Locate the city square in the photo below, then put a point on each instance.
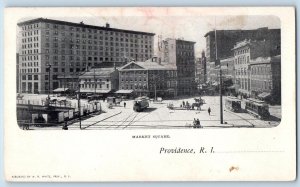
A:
(159, 116)
(79, 76)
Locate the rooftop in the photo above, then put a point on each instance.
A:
(149, 65)
(251, 43)
(265, 60)
(81, 24)
(102, 72)
(239, 30)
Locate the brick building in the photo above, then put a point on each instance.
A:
(72, 47)
(146, 78)
(265, 78)
(99, 80)
(226, 39)
(244, 52)
(181, 54)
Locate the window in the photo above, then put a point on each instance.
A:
(29, 77)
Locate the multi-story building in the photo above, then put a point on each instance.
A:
(181, 54)
(200, 69)
(212, 72)
(99, 80)
(244, 52)
(70, 48)
(226, 39)
(149, 78)
(227, 65)
(265, 78)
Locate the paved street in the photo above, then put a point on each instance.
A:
(158, 116)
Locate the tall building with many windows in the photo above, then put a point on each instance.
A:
(181, 54)
(244, 52)
(226, 39)
(56, 52)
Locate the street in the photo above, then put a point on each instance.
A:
(158, 116)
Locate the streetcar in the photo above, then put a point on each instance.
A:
(257, 108)
(233, 104)
(140, 104)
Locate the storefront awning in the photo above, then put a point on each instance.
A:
(61, 90)
(264, 95)
(124, 91)
(93, 91)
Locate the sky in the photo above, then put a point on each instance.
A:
(192, 28)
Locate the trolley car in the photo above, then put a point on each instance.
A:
(257, 108)
(233, 104)
(140, 104)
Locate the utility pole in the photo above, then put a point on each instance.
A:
(220, 85)
(64, 82)
(49, 68)
(95, 81)
(78, 100)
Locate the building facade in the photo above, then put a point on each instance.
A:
(72, 47)
(181, 54)
(227, 65)
(226, 39)
(150, 78)
(265, 78)
(212, 72)
(200, 69)
(244, 52)
(99, 81)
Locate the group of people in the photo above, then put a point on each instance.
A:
(185, 105)
(196, 123)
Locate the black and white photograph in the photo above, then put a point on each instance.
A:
(110, 94)
(119, 73)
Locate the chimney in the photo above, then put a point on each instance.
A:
(107, 25)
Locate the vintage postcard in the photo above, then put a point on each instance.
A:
(150, 94)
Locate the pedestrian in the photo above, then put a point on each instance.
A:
(209, 110)
(124, 104)
(195, 123)
(183, 104)
(65, 127)
(198, 123)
